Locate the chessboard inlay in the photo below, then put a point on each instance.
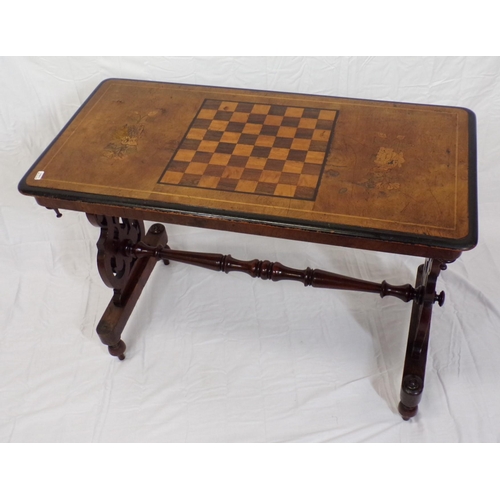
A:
(254, 148)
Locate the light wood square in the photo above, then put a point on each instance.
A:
(285, 190)
(246, 186)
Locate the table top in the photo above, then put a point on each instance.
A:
(337, 170)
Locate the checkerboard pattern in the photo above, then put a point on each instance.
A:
(253, 148)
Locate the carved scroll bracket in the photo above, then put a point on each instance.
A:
(113, 262)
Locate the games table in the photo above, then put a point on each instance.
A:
(381, 176)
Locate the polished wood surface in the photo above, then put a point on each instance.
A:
(338, 170)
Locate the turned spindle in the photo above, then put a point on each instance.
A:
(273, 271)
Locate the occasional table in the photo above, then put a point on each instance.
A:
(382, 176)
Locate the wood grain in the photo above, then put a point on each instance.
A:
(386, 171)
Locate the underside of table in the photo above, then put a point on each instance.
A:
(127, 255)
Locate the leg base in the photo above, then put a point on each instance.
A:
(118, 350)
(407, 412)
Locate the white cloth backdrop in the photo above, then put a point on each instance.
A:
(216, 358)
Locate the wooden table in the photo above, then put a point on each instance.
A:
(382, 176)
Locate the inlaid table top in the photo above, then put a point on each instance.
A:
(337, 170)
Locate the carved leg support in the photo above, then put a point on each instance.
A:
(126, 275)
(126, 258)
(412, 383)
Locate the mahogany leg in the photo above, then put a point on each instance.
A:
(412, 384)
(127, 276)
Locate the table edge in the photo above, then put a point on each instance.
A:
(462, 244)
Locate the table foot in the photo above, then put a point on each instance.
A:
(126, 275)
(406, 412)
(118, 350)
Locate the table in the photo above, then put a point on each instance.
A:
(382, 176)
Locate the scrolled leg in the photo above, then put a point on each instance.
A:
(125, 274)
(412, 384)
